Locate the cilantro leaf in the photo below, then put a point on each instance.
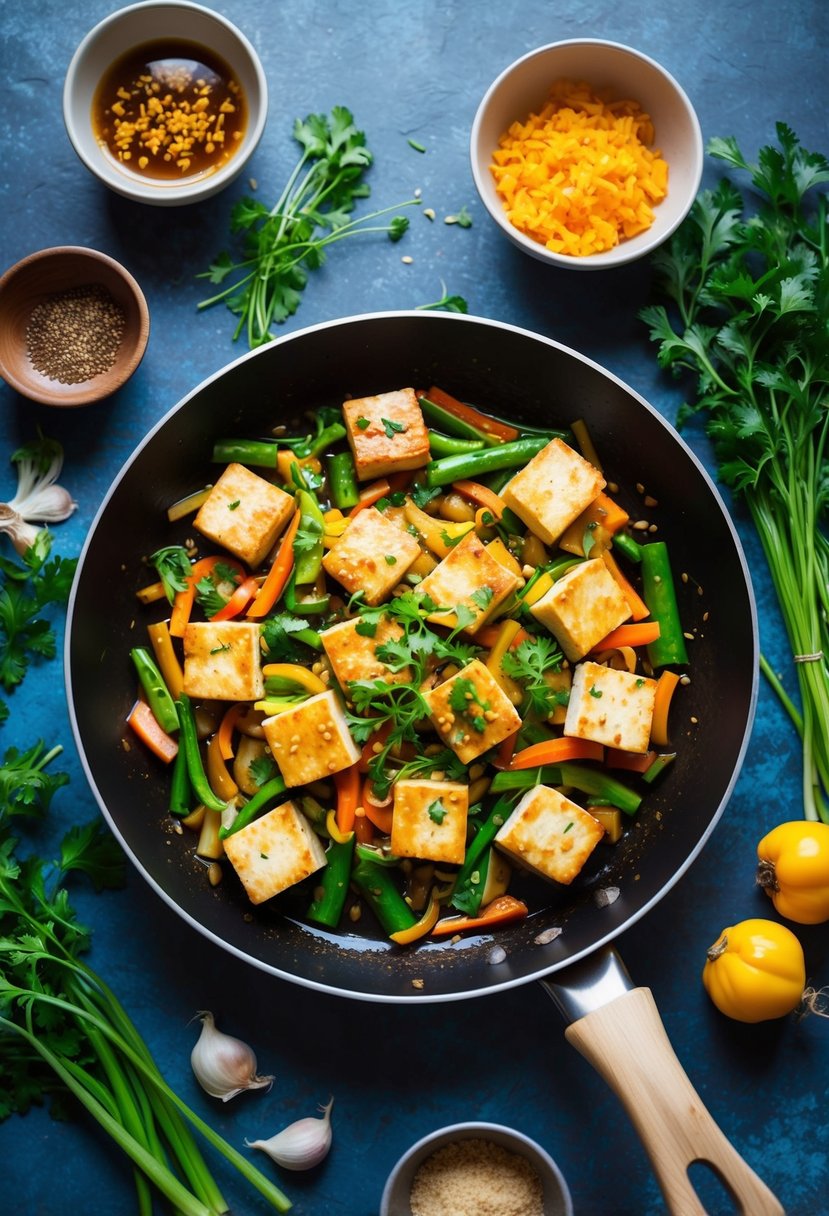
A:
(392, 428)
(174, 569)
(528, 664)
(95, 851)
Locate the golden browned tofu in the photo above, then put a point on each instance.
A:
(244, 514)
(553, 489)
(312, 740)
(274, 852)
(471, 712)
(471, 576)
(549, 834)
(582, 607)
(386, 433)
(371, 556)
(611, 707)
(429, 820)
(353, 655)
(222, 661)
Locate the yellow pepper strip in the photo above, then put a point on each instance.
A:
(210, 842)
(151, 594)
(285, 460)
(484, 524)
(332, 514)
(423, 564)
(622, 658)
(333, 531)
(221, 782)
(166, 657)
(186, 506)
(499, 551)
(507, 632)
(439, 535)
(540, 587)
(583, 439)
(420, 928)
(333, 831)
(296, 674)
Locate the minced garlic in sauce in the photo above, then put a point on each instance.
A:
(169, 110)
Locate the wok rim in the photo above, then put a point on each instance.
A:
(422, 996)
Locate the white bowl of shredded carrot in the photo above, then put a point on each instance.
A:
(587, 154)
(165, 101)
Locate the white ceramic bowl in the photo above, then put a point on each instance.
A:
(523, 87)
(555, 1194)
(149, 22)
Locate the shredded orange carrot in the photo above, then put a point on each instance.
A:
(640, 634)
(226, 728)
(504, 908)
(370, 495)
(143, 721)
(279, 573)
(348, 792)
(183, 602)
(556, 751)
(580, 176)
(665, 686)
(634, 762)
(482, 495)
(638, 608)
(492, 426)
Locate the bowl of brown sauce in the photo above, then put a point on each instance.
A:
(165, 102)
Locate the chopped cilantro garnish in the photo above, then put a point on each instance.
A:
(363, 423)
(231, 506)
(390, 559)
(436, 811)
(392, 428)
(595, 692)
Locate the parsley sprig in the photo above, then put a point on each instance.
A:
(420, 650)
(282, 243)
(747, 283)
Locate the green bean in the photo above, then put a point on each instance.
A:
(250, 811)
(342, 480)
(505, 456)
(454, 425)
(259, 452)
(449, 445)
(663, 761)
(467, 893)
(311, 527)
(327, 438)
(379, 890)
(631, 548)
(659, 593)
(158, 695)
(326, 907)
(590, 781)
(180, 801)
(195, 769)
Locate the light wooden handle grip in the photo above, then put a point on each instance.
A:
(626, 1043)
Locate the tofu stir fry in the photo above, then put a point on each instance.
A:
(405, 659)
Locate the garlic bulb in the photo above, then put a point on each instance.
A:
(222, 1065)
(38, 499)
(301, 1145)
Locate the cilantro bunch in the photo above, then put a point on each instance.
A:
(282, 243)
(746, 278)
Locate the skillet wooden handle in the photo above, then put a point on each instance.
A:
(626, 1043)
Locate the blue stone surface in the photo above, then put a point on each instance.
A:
(413, 70)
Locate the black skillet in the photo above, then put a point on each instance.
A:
(521, 376)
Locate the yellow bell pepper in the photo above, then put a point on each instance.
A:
(297, 675)
(439, 535)
(755, 971)
(793, 870)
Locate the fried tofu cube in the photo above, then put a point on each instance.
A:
(311, 741)
(582, 607)
(553, 489)
(244, 514)
(274, 852)
(371, 556)
(471, 712)
(222, 661)
(429, 820)
(468, 576)
(353, 655)
(549, 834)
(386, 433)
(610, 707)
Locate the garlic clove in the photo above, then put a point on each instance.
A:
(223, 1065)
(301, 1145)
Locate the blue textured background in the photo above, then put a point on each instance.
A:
(412, 70)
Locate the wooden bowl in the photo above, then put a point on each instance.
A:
(49, 273)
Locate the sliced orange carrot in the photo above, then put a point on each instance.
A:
(143, 722)
(347, 783)
(503, 757)
(556, 751)
(638, 608)
(502, 909)
(368, 753)
(665, 688)
(370, 495)
(363, 829)
(183, 603)
(279, 573)
(641, 634)
(239, 601)
(501, 430)
(603, 517)
(380, 814)
(226, 727)
(482, 495)
(633, 762)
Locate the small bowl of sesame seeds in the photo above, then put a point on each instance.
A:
(73, 326)
(165, 102)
